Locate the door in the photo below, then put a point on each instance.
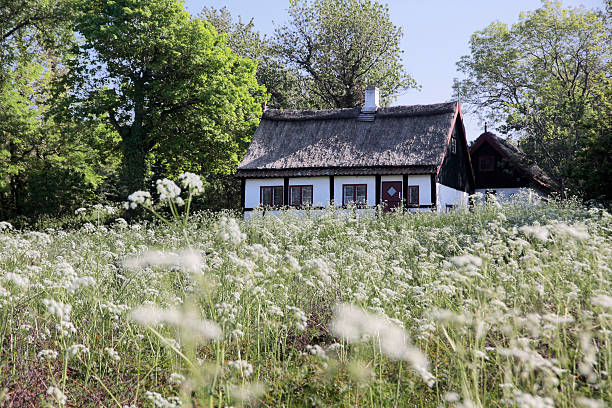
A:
(391, 194)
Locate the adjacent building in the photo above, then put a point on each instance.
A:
(502, 169)
(414, 157)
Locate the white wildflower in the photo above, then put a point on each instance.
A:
(138, 197)
(245, 368)
(112, 353)
(161, 402)
(467, 259)
(192, 182)
(57, 395)
(17, 279)
(536, 231)
(188, 320)
(189, 260)
(248, 393)
(59, 309)
(351, 323)
(604, 301)
(590, 403)
(176, 379)
(79, 210)
(76, 350)
(167, 189)
(47, 355)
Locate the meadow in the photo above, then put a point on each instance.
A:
(503, 306)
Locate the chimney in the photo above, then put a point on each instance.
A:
(372, 98)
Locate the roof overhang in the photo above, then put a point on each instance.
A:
(336, 171)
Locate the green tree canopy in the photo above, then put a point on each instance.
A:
(171, 88)
(281, 81)
(340, 47)
(548, 78)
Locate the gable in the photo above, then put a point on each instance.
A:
(455, 170)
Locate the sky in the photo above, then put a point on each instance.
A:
(436, 35)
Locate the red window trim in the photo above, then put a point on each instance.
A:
(301, 186)
(261, 195)
(407, 194)
(481, 167)
(354, 192)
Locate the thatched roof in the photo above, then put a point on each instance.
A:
(517, 158)
(410, 139)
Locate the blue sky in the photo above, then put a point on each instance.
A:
(436, 34)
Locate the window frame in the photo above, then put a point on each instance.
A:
(491, 167)
(407, 196)
(354, 201)
(301, 187)
(282, 195)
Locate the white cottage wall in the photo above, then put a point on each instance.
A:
(450, 196)
(251, 189)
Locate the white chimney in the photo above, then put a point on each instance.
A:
(372, 99)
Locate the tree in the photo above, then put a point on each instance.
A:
(169, 86)
(46, 166)
(547, 78)
(340, 47)
(282, 82)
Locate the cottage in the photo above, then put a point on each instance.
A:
(502, 169)
(415, 157)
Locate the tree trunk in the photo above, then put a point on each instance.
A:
(133, 146)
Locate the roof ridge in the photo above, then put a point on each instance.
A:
(353, 113)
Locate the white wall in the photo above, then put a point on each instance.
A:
(505, 194)
(251, 189)
(370, 181)
(449, 196)
(320, 188)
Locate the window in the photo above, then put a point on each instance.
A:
(271, 196)
(453, 145)
(300, 195)
(412, 195)
(354, 193)
(486, 163)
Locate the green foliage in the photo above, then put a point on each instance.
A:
(170, 87)
(547, 77)
(339, 47)
(282, 83)
(46, 165)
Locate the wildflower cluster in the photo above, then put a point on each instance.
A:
(508, 305)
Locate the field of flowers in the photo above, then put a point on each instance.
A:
(502, 306)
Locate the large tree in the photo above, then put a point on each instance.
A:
(548, 79)
(282, 82)
(340, 47)
(171, 88)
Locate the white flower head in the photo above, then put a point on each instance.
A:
(187, 320)
(192, 182)
(167, 189)
(352, 323)
(57, 395)
(138, 197)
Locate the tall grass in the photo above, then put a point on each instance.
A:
(502, 306)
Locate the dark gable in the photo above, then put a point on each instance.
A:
(410, 139)
(490, 145)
